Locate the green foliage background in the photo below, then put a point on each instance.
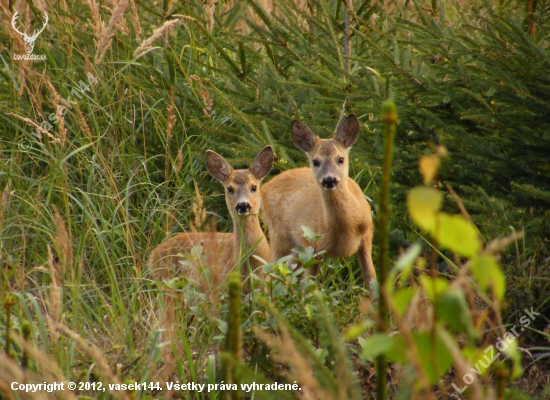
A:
(122, 166)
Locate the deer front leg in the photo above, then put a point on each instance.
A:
(365, 258)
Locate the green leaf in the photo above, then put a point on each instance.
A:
(488, 273)
(406, 260)
(453, 232)
(513, 352)
(310, 234)
(431, 353)
(403, 266)
(433, 287)
(375, 345)
(402, 298)
(356, 330)
(309, 310)
(423, 204)
(452, 308)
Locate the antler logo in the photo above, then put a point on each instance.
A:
(29, 40)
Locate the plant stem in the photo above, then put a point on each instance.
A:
(233, 338)
(389, 116)
(435, 8)
(347, 33)
(531, 13)
(8, 304)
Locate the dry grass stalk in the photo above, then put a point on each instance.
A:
(54, 303)
(170, 114)
(7, 16)
(301, 371)
(32, 82)
(62, 242)
(209, 9)
(84, 123)
(179, 161)
(169, 338)
(36, 126)
(105, 38)
(57, 99)
(463, 367)
(43, 6)
(24, 65)
(95, 354)
(199, 212)
(135, 21)
(146, 45)
(50, 371)
(96, 22)
(206, 98)
(411, 352)
(211, 285)
(6, 194)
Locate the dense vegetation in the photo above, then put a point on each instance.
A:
(102, 157)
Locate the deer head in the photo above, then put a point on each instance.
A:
(29, 40)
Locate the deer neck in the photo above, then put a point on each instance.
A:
(336, 202)
(340, 212)
(248, 234)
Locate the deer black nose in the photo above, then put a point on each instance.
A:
(243, 208)
(329, 182)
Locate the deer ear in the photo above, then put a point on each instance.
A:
(217, 166)
(262, 163)
(348, 131)
(302, 136)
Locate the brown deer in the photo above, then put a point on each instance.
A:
(322, 197)
(223, 251)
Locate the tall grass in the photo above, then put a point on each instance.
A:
(84, 200)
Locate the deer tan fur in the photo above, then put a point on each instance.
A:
(322, 197)
(223, 250)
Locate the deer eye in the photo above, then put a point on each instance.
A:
(341, 160)
(253, 188)
(316, 163)
(230, 190)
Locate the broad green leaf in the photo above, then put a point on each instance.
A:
(453, 232)
(423, 204)
(402, 298)
(310, 234)
(452, 308)
(431, 352)
(404, 263)
(481, 359)
(398, 351)
(355, 330)
(408, 257)
(283, 269)
(434, 356)
(309, 310)
(513, 352)
(487, 272)
(433, 287)
(375, 345)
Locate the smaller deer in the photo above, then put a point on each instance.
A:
(223, 250)
(323, 198)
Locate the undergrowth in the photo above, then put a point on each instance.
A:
(102, 158)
